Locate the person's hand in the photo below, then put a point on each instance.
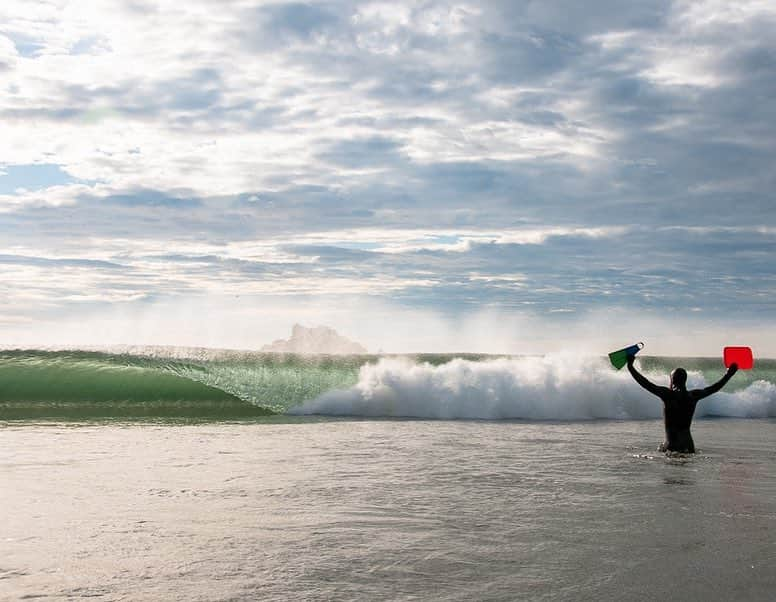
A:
(733, 369)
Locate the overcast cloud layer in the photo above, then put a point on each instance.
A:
(502, 175)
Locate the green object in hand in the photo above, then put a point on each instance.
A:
(620, 357)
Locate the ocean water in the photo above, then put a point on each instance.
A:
(423, 478)
(386, 510)
(223, 385)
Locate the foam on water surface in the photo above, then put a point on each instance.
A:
(555, 387)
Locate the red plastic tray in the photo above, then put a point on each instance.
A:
(738, 355)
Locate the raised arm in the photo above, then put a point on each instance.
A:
(642, 380)
(711, 389)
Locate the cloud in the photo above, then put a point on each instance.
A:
(544, 159)
(57, 262)
(363, 153)
(294, 20)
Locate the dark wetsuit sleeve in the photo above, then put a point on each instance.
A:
(701, 393)
(649, 386)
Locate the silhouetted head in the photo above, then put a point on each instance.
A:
(679, 379)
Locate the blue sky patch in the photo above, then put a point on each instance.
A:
(33, 177)
(26, 46)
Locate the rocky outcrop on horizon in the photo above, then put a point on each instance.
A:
(320, 339)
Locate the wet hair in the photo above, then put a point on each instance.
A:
(679, 378)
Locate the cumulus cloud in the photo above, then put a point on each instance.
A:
(548, 158)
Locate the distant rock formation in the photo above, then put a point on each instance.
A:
(320, 339)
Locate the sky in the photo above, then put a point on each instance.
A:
(499, 176)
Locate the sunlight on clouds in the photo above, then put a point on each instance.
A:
(123, 125)
(689, 65)
(59, 283)
(540, 236)
(56, 196)
(127, 270)
(443, 154)
(690, 53)
(413, 240)
(721, 13)
(383, 27)
(498, 141)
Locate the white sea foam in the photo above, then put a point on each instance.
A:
(758, 400)
(554, 387)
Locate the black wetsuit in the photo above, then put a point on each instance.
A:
(678, 409)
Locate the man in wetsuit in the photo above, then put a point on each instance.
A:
(679, 404)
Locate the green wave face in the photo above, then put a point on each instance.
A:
(82, 385)
(276, 382)
(77, 378)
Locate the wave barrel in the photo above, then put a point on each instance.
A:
(620, 357)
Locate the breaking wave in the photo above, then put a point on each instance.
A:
(224, 385)
(555, 387)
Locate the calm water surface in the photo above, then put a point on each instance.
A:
(386, 510)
